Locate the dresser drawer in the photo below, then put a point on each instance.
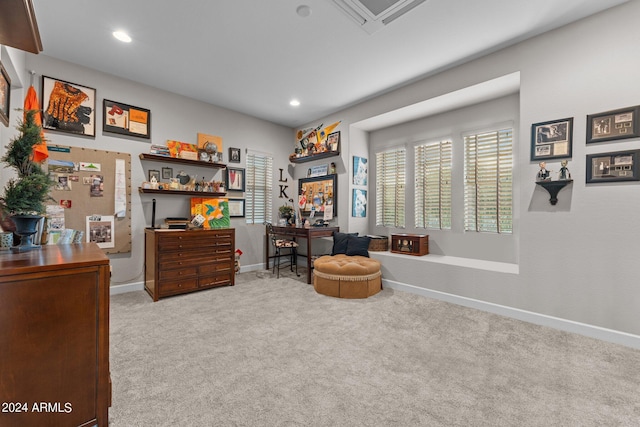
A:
(180, 263)
(214, 280)
(174, 243)
(215, 267)
(165, 274)
(176, 286)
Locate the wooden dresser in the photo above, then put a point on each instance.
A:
(180, 261)
(54, 337)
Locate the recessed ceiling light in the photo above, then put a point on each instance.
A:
(122, 36)
(294, 102)
(303, 11)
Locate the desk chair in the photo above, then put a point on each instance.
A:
(283, 247)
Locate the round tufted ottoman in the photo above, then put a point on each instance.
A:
(345, 276)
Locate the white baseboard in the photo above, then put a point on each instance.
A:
(129, 287)
(604, 334)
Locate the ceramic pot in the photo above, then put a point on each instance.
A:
(26, 227)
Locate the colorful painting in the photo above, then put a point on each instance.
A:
(214, 210)
(359, 203)
(359, 170)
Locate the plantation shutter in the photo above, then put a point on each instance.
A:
(433, 185)
(488, 182)
(390, 188)
(258, 189)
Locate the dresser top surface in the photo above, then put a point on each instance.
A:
(52, 257)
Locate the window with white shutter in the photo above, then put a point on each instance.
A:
(258, 188)
(390, 188)
(488, 192)
(433, 185)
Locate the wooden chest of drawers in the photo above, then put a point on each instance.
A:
(180, 261)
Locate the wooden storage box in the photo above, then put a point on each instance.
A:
(410, 244)
(378, 243)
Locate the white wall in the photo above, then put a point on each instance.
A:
(576, 260)
(172, 117)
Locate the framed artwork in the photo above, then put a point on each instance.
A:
(234, 155)
(236, 208)
(613, 167)
(235, 179)
(126, 120)
(154, 174)
(5, 95)
(68, 107)
(552, 139)
(359, 203)
(359, 170)
(318, 194)
(611, 125)
(333, 142)
(167, 173)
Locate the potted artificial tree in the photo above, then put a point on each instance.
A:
(25, 195)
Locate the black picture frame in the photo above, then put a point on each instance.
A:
(152, 173)
(125, 119)
(316, 192)
(5, 96)
(613, 167)
(167, 173)
(234, 155)
(78, 120)
(552, 139)
(235, 179)
(613, 125)
(236, 208)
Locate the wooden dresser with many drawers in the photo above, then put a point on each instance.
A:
(180, 261)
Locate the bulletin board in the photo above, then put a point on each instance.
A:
(76, 191)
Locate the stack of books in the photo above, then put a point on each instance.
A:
(177, 223)
(160, 150)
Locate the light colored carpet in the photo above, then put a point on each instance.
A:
(272, 352)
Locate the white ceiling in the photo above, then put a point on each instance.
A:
(254, 56)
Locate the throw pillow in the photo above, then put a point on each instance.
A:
(358, 245)
(340, 242)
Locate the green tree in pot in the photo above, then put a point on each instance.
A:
(25, 196)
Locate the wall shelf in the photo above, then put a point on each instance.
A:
(159, 158)
(553, 187)
(181, 192)
(318, 156)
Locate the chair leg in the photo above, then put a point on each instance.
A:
(295, 259)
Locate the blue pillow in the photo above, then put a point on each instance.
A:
(340, 242)
(358, 245)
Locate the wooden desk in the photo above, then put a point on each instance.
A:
(299, 232)
(54, 337)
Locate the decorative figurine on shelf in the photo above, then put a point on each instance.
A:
(564, 171)
(543, 173)
(154, 183)
(332, 168)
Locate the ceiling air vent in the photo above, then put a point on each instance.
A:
(372, 15)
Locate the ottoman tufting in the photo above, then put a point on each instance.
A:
(345, 276)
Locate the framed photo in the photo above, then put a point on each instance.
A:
(234, 155)
(611, 125)
(552, 139)
(5, 96)
(235, 179)
(126, 120)
(613, 167)
(359, 170)
(333, 142)
(154, 173)
(236, 208)
(100, 229)
(68, 107)
(167, 173)
(318, 194)
(359, 203)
